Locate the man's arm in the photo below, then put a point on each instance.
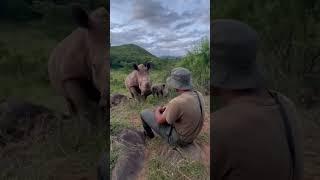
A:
(159, 115)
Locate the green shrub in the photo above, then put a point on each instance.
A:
(197, 61)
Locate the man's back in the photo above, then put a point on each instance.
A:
(249, 140)
(184, 113)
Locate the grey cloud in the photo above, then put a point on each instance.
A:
(115, 25)
(137, 35)
(183, 24)
(163, 31)
(153, 13)
(125, 37)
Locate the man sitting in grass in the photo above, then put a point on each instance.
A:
(181, 120)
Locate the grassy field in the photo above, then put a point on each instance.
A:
(126, 115)
(25, 49)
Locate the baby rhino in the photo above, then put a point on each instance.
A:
(159, 89)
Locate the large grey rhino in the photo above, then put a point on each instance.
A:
(138, 81)
(78, 67)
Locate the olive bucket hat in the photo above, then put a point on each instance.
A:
(180, 78)
(234, 56)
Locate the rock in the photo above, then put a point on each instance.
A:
(131, 160)
(18, 118)
(116, 99)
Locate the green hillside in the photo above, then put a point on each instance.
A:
(126, 55)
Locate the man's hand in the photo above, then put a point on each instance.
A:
(159, 116)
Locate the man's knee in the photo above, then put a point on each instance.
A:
(144, 114)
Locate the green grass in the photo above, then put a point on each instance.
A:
(160, 169)
(53, 156)
(114, 154)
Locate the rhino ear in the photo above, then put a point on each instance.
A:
(80, 16)
(135, 66)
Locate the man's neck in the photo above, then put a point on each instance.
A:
(228, 96)
(183, 91)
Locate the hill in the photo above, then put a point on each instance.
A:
(126, 55)
(170, 57)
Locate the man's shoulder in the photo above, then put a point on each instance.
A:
(237, 112)
(175, 100)
(227, 116)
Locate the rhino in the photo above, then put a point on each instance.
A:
(117, 98)
(138, 81)
(19, 118)
(78, 66)
(159, 89)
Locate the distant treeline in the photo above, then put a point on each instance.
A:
(23, 10)
(289, 37)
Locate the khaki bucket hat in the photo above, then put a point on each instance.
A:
(234, 56)
(180, 78)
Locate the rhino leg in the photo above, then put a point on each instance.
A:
(80, 102)
(131, 90)
(135, 92)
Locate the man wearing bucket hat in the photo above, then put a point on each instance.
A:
(255, 134)
(181, 120)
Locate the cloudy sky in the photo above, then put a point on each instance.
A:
(163, 27)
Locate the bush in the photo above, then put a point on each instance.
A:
(197, 61)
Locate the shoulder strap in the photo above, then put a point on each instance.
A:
(201, 117)
(288, 131)
(199, 103)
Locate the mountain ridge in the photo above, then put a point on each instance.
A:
(127, 54)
